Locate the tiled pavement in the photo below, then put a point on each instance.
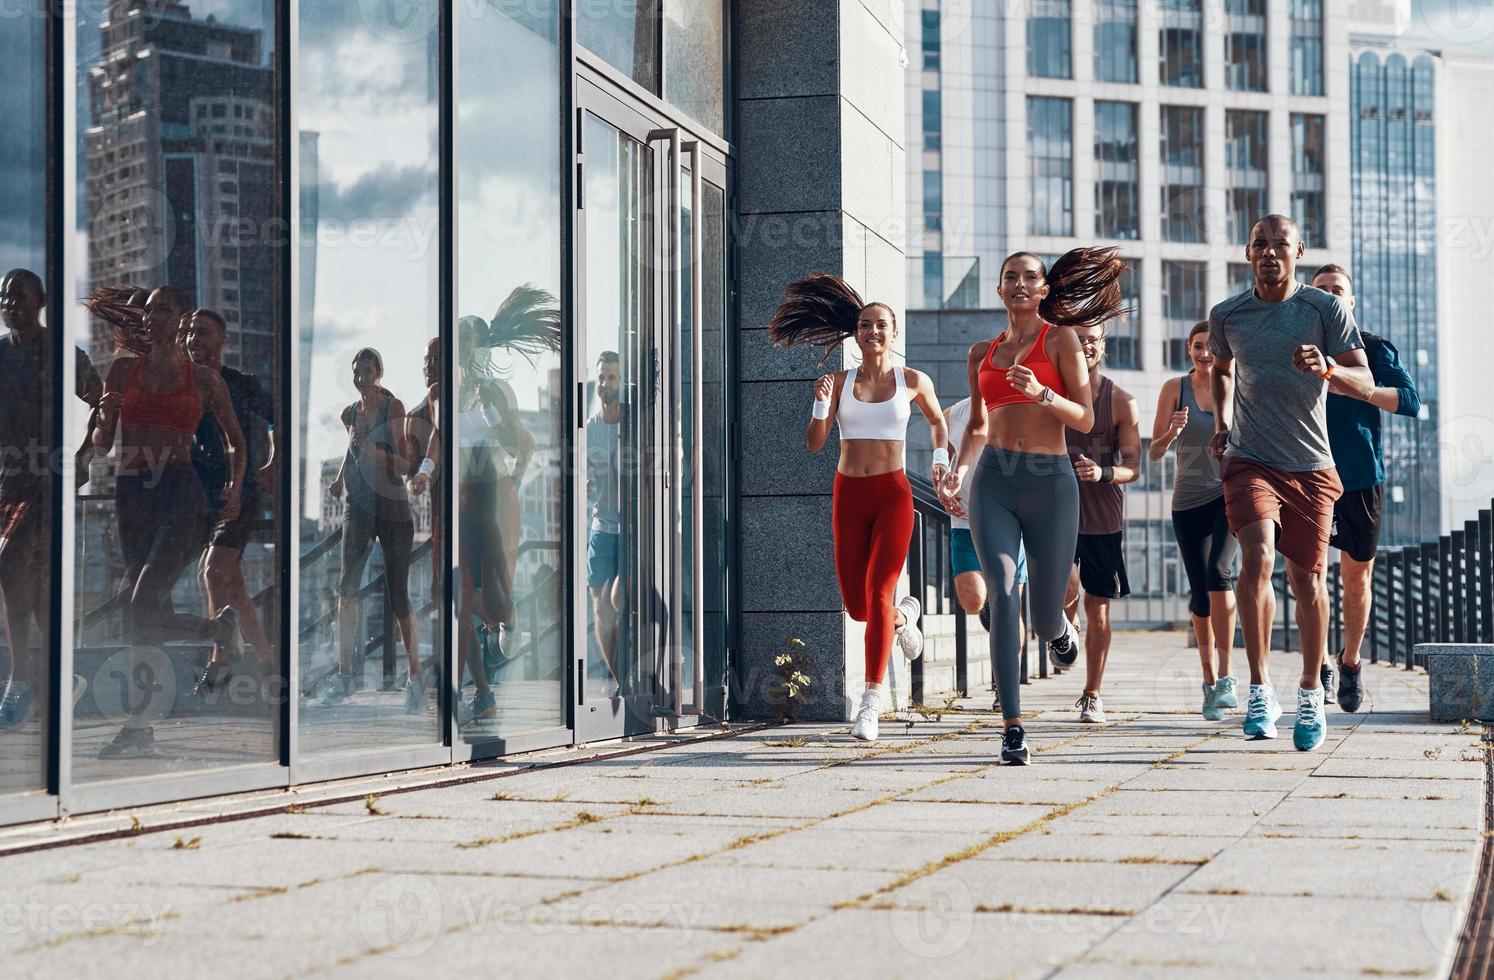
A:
(1159, 845)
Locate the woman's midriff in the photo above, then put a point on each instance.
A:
(870, 457)
(145, 449)
(1026, 429)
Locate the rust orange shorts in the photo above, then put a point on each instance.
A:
(1299, 504)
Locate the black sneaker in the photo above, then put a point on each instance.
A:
(1014, 747)
(996, 702)
(1350, 690)
(985, 616)
(1065, 649)
(1325, 674)
(130, 743)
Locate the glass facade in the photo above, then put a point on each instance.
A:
(1308, 178)
(1180, 43)
(324, 521)
(932, 128)
(929, 39)
(1245, 58)
(1393, 142)
(1307, 46)
(1049, 39)
(1123, 334)
(1115, 41)
(1183, 174)
(1117, 194)
(1246, 135)
(1185, 301)
(1050, 162)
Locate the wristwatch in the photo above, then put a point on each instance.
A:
(1046, 397)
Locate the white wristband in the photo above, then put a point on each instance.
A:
(941, 458)
(821, 409)
(427, 466)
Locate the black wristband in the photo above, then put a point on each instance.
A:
(1107, 474)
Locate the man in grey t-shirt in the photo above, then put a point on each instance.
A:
(603, 494)
(1275, 347)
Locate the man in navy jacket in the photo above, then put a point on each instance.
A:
(1354, 436)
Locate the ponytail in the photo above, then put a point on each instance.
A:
(1083, 287)
(820, 310)
(123, 309)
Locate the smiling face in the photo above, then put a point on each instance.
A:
(1275, 246)
(366, 372)
(876, 328)
(205, 338)
(609, 381)
(1198, 351)
(1092, 343)
(1022, 285)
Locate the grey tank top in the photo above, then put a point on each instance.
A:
(1198, 481)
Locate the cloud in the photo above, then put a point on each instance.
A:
(390, 192)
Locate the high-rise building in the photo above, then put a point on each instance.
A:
(1165, 132)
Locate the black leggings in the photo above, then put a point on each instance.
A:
(396, 535)
(161, 520)
(1208, 551)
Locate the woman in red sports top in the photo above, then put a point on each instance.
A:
(154, 399)
(1026, 387)
(873, 503)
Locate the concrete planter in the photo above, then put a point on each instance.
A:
(1461, 680)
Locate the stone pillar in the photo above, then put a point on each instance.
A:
(820, 189)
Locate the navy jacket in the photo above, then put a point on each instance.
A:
(1354, 426)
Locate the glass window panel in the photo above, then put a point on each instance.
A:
(1245, 45)
(626, 35)
(1183, 174)
(929, 22)
(1308, 178)
(1245, 161)
(1115, 40)
(694, 59)
(1121, 346)
(1048, 41)
(1181, 43)
(510, 398)
(1307, 47)
(179, 150)
(715, 458)
(1183, 305)
(370, 595)
(933, 123)
(1117, 206)
(1050, 166)
(26, 378)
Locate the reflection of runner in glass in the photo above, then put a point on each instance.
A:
(1026, 387)
(25, 481)
(1105, 458)
(1185, 417)
(872, 508)
(378, 509)
(223, 565)
(1274, 348)
(969, 580)
(156, 399)
(1354, 434)
(604, 494)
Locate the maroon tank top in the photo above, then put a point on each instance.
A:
(1101, 505)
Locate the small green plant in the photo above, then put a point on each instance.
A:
(793, 680)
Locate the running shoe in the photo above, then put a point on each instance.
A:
(230, 637)
(1224, 693)
(1014, 747)
(336, 689)
(130, 743)
(212, 679)
(1261, 712)
(484, 707)
(1350, 685)
(1325, 676)
(865, 728)
(1211, 709)
(1312, 720)
(1091, 711)
(80, 688)
(15, 705)
(996, 701)
(985, 616)
(909, 636)
(1065, 649)
(414, 696)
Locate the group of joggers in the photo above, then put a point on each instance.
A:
(1277, 433)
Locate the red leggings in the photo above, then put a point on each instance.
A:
(873, 520)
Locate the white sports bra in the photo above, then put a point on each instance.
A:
(874, 420)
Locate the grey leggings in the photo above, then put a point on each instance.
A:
(1032, 500)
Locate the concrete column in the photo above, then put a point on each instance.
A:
(821, 178)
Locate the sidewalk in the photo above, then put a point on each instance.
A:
(1159, 845)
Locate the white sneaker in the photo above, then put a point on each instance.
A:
(1091, 711)
(909, 636)
(865, 728)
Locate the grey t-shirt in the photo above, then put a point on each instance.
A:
(1280, 412)
(602, 473)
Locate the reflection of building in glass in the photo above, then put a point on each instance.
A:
(310, 195)
(181, 181)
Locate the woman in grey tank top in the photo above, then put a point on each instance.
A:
(1185, 416)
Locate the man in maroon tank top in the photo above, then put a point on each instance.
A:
(1105, 459)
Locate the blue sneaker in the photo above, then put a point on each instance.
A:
(1312, 720)
(15, 706)
(1261, 713)
(1211, 709)
(1224, 693)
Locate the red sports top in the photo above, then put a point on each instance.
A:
(175, 411)
(997, 391)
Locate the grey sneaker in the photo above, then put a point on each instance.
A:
(1224, 693)
(335, 689)
(1325, 676)
(415, 696)
(1091, 711)
(909, 636)
(1211, 708)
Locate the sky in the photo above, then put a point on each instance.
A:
(1456, 26)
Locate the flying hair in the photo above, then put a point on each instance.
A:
(820, 310)
(1083, 287)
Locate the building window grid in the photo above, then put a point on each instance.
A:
(1184, 303)
(1122, 335)
(1246, 159)
(1307, 47)
(1050, 165)
(1183, 174)
(1180, 44)
(1308, 177)
(929, 20)
(1245, 45)
(1115, 41)
(1117, 211)
(1049, 39)
(933, 119)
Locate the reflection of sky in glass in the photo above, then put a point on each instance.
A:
(22, 151)
(371, 102)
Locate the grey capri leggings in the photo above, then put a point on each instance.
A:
(1032, 500)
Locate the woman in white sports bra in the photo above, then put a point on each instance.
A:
(873, 503)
